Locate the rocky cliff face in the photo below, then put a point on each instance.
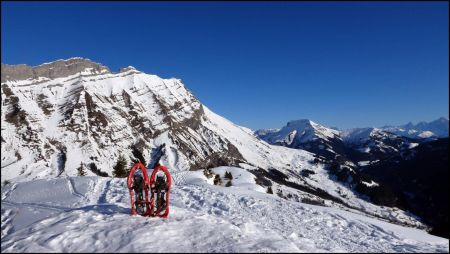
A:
(57, 69)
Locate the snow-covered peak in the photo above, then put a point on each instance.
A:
(306, 125)
(297, 132)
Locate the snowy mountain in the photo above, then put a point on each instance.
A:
(60, 115)
(79, 112)
(423, 130)
(387, 167)
(373, 144)
(92, 214)
(305, 134)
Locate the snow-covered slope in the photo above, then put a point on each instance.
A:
(91, 214)
(349, 152)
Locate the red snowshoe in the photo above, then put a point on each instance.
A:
(138, 187)
(139, 184)
(160, 192)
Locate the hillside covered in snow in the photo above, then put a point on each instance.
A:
(92, 214)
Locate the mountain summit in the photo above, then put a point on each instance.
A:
(52, 70)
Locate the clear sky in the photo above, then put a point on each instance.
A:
(259, 64)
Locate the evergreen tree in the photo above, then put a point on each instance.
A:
(80, 169)
(228, 175)
(120, 169)
(228, 184)
(269, 190)
(217, 180)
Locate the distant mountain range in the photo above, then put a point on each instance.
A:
(408, 163)
(433, 129)
(436, 128)
(357, 144)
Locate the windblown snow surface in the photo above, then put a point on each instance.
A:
(92, 214)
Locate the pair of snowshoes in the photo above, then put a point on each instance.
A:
(139, 185)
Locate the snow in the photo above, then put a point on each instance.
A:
(91, 214)
(412, 145)
(426, 134)
(358, 135)
(363, 149)
(363, 163)
(371, 184)
(241, 178)
(60, 60)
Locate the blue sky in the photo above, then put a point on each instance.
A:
(259, 64)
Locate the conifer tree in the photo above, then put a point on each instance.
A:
(120, 169)
(228, 175)
(81, 170)
(217, 180)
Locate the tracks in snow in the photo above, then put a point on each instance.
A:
(203, 218)
(72, 189)
(179, 178)
(8, 192)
